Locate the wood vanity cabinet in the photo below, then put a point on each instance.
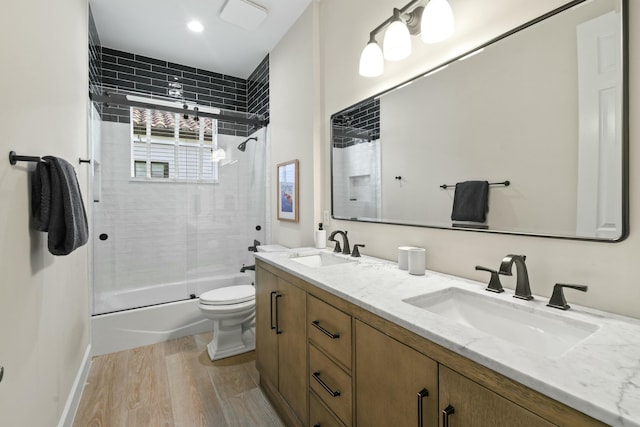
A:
(395, 385)
(465, 403)
(385, 374)
(281, 350)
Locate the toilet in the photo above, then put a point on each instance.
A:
(233, 311)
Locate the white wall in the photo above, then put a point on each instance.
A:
(608, 268)
(295, 105)
(44, 312)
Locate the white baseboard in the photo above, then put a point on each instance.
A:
(70, 408)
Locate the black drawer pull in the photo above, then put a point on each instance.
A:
(316, 376)
(278, 331)
(271, 310)
(316, 324)
(449, 410)
(421, 395)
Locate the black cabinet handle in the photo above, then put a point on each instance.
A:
(449, 410)
(271, 310)
(278, 331)
(421, 395)
(316, 376)
(316, 324)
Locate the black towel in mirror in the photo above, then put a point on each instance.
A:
(471, 201)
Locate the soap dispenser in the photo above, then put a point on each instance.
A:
(321, 237)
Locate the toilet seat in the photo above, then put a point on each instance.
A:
(229, 295)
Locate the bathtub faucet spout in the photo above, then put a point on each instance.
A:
(248, 267)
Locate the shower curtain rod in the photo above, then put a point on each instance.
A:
(117, 99)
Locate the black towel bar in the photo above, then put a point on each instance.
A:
(505, 183)
(14, 158)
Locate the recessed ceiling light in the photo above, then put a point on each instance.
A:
(195, 26)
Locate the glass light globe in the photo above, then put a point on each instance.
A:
(397, 40)
(437, 21)
(371, 60)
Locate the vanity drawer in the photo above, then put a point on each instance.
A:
(329, 329)
(319, 415)
(331, 384)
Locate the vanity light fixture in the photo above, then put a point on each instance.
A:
(396, 44)
(371, 59)
(437, 21)
(434, 21)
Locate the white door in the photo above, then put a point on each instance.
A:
(599, 210)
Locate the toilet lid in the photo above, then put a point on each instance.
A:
(229, 295)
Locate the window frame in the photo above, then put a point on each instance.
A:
(178, 142)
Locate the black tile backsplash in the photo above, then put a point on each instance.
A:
(258, 89)
(143, 74)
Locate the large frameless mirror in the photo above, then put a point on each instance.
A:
(540, 113)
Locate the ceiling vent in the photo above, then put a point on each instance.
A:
(243, 13)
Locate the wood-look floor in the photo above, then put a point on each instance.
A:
(174, 384)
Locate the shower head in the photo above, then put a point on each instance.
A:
(243, 144)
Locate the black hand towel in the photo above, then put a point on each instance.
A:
(41, 197)
(470, 201)
(67, 219)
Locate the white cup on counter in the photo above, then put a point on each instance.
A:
(417, 260)
(403, 257)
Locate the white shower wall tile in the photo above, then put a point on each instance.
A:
(353, 162)
(171, 232)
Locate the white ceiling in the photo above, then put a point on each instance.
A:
(157, 29)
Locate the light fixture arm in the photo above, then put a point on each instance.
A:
(402, 11)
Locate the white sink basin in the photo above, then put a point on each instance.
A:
(539, 331)
(320, 260)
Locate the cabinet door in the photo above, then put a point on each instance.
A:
(476, 406)
(266, 338)
(290, 307)
(390, 382)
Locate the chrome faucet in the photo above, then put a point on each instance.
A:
(523, 291)
(345, 241)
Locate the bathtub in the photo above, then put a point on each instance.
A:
(158, 319)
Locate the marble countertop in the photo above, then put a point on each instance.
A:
(599, 376)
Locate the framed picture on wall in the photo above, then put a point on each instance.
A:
(288, 191)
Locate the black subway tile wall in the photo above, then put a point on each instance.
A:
(363, 121)
(146, 75)
(258, 89)
(95, 70)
